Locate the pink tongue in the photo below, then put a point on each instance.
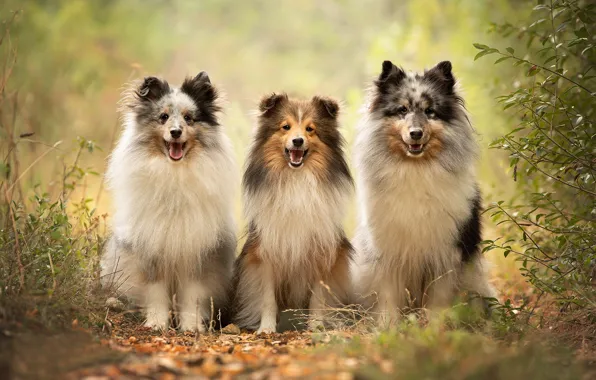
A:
(176, 151)
(296, 155)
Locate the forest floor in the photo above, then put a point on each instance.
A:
(120, 347)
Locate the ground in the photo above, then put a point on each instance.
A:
(114, 344)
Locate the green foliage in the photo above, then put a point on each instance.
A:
(432, 352)
(50, 236)
(552, 151)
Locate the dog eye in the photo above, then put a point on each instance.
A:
(429, 111)
(187, 118)
(164, 117)
(286, 127)
(309, 129)
(402, 110)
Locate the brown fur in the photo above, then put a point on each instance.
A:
(395, 129)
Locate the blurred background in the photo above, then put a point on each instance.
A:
(72, 58)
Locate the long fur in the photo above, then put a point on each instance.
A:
(418, 237)
(295, 238)
(173, 229)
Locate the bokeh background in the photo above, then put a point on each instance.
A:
(73, 57)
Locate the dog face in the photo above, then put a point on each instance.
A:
(418, 111)
(175, 122)
(297, 135)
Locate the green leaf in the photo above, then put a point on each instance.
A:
(550, 59)
(510, 50)
(481, 46)
(501, 59)
(582, 33)
(485, 52)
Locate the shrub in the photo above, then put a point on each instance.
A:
(49, 242)
(552, 152)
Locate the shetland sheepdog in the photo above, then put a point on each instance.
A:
(172, 176)
(417, 243)
(295, 188)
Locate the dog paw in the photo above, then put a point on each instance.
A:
(266, 330)
(157, 321)
(155, 325)
(192, 326)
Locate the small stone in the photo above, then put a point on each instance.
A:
(114, 304)
(231, 329)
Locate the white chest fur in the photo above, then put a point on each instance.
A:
(298, 220)
(416, 210)
(170, 211)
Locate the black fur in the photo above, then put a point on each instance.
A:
(393, 86)
(441, 77)
(204, 95)
(152, 89)
(470, 232)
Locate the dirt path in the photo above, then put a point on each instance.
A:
(224, 354)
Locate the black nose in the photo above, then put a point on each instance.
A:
(416, 135)
(176, 133)
(298, 141)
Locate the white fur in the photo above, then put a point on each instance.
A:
(408, 225)
(296, 218)
(298, 221)
(172, 214)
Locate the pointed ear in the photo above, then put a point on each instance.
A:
(204, 95)
(200, 89)
(152, 89)
(391, 75)
(202, 77)
(326, 106)
(269, 103)
(441, 76)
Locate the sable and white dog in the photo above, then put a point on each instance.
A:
(295, 186)
(172, 176)
(419, 231)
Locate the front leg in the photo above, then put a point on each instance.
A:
(157, 305)
(317, 307)
(388, 313)
(268, 302)
(193, 301)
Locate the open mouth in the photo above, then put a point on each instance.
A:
(175, 150)
(415, 149)
(296, 157)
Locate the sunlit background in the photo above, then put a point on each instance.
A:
(73, 57)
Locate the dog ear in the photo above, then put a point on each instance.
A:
(270, 102)
(202, 77)
(391, 75)
(200, 89)
(441, 76)
(152, 89)
(204, 95)
(326, 106)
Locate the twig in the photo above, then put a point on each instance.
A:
(33, 163)
(17, 247)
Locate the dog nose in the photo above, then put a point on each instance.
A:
(176, 133)
(298, 141)
(416, 135)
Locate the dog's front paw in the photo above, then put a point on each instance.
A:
(157, 320)
(264, 329)
(191, 324)
(156, 324)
